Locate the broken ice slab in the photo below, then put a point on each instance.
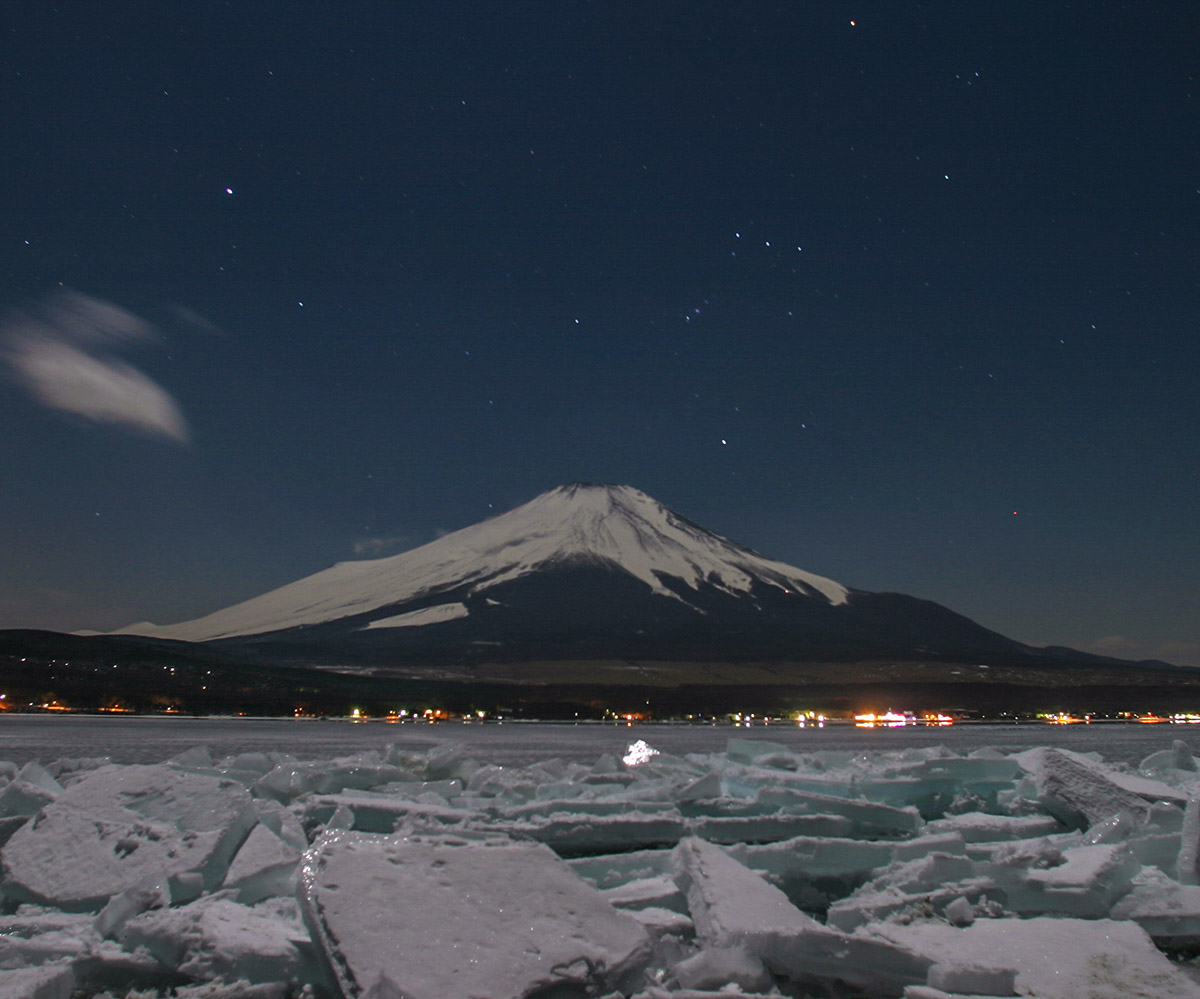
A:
(10, 824)
(660, 892)
(574, 835)
(733, 993)
(970, 770)
(928, 886)
(1167, 910)
(1178, 757)
(980, 827)
(1079, 793)
(20, 798)
(729, 903)
(264, 867)
(34, 773)
(976, 979)
(1052, 958)
(76, 862)
(289, 780)
(119, 828)
(1188, 861)
(371, 811)
(55, 981)
(717, 968)
(871, 819)
(541, 808)
(767, 828)
(731, 906)
(700, 789)
(45, 944)
(811, 857)
(613, 869)
(215, 938)
(1031, 879)
(481, 931)
(951, 842)
(664, 922)
(752, 750)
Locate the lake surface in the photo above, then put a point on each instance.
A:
(154, 739)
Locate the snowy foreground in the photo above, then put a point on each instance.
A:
(755, 872)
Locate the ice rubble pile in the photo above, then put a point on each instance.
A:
(758, 871)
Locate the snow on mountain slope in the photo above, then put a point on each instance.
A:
(615, 526)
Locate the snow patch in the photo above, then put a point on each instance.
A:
(426, 615)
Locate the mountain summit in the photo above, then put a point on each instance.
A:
(588, 572)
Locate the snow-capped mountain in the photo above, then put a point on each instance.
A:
(614, 527)
(583, 572)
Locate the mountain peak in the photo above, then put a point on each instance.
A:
(615, 527)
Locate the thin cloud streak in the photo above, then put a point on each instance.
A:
(61, 353)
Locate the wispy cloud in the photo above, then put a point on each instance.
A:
(63, 352)
(378, 546)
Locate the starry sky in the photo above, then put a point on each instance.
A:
(904, 294)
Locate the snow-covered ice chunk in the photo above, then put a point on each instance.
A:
(1178, 757)
(929, 885)
(195, 759)
(1053, 958)
(240, 989)
(663, 922)
(76, 862)
(447, 916)
(55, 981)
(1085, 883)
(1168, 911)
(121, 908)
(24, 799)
(217, 938)
(643, 893)
(579, 834)
(289, 779)
(47, 944)
(700, 789)
(871, 819)
(370, 811)
(952, 842)
(731, 905)
(812, 857)
(767, 828)
(1077, 794)
(980, 827)
(265, 866)
(749, 750)
(717, 967)
(725, 993)
(975, 979)
(612, 869)
(120, 828)
(1188, 862)
(34, 773)
(9, 824)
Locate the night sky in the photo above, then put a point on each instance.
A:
(904, 294)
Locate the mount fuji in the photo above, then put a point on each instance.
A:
(589, 572)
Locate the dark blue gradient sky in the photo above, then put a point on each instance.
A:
(903, 294)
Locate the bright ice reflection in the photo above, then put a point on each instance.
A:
(638, 752)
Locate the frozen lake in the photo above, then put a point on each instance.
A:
(153, 739)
